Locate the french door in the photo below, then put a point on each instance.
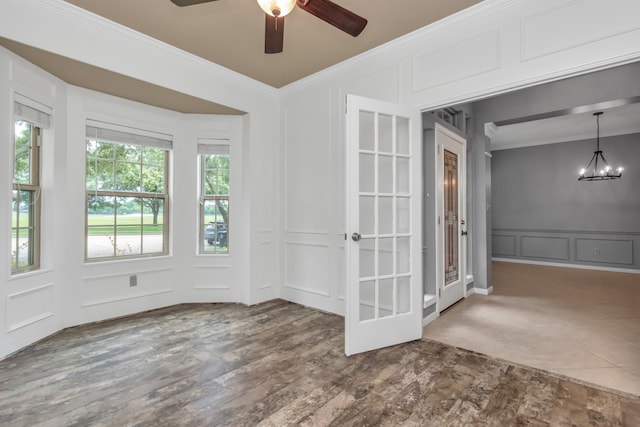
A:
(383, 248)
(451, 226)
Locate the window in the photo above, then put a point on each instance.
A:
(30, 118)
(25, 207)
(214, 198)
(127, 193)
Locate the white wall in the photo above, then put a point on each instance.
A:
(29, 308)
(64, 29)
(67, 290)
(292, 245)
(491, 48)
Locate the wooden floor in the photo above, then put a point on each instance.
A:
(277, 364)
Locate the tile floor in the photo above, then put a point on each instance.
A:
(584, 324)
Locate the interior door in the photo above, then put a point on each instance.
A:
(383, 248)
(451, 226)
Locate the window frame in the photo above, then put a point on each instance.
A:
(116, 194)
(219, 147)
(34, 187)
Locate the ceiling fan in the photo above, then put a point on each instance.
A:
(275, 11)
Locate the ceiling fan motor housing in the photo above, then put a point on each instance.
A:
(277, 8)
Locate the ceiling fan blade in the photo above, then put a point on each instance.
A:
(273, 34)
(183, 3)
(335, 15)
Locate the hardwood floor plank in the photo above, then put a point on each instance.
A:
(304, 406)
(571, 405)
(277, 364)
(538, 400)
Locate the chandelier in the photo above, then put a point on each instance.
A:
(601, 172)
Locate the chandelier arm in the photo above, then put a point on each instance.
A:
(594, 157)
(603, 159)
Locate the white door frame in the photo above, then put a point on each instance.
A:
(453, 142)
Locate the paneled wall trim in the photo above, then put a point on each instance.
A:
(29, 306)
(603, 249)
(503, 245)
(111, 288)
(212, 277)
(306, 269)
(446, 65)
(550, 247)
(536, 27)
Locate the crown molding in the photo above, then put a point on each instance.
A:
(400, 44)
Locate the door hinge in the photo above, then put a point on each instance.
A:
(345, 236)
(440, 293)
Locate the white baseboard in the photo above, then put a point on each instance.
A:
(567, 265)
(430, 318)
(480, 291)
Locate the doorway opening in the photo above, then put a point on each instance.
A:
(445, 223)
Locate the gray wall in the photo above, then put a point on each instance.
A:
(542, 212)
(610, 84)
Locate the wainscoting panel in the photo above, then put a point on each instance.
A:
(341, 274)
(212, 277)
(266, 263)
(29, 306)
(475, 55)
(605, 250)
(588, 248)
(375, 85)
(555, 248)
(110, 288)
(307, 164)
(503, 245)
(306, 268)
(538, 28)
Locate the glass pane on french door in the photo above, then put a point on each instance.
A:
(384, 216)
(451, 267)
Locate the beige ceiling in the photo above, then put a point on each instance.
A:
(101, 80)
(231, 33)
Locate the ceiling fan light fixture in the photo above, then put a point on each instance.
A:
(277, 8)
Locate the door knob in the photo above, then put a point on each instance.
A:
(356, 237)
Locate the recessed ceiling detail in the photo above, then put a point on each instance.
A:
(231, 33)
(576, 125)
(276, 10)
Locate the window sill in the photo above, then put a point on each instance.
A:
(226, 254)
(27, 274)
(108, 261)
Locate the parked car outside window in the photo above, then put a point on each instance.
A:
(215, 233)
